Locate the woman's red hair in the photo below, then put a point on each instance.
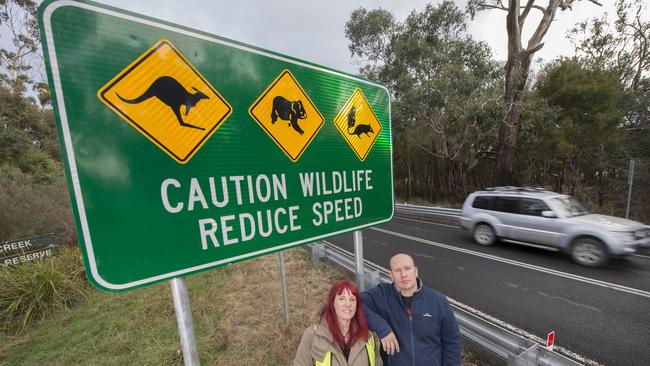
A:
(358, 325)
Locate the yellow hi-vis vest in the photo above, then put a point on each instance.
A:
(370, 348)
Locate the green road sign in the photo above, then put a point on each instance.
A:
(186, 151)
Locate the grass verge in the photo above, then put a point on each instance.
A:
(237, 311)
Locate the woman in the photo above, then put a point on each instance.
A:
(341, 338)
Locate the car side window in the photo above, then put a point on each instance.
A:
(507, 204)
(483, 202)
(533, 207)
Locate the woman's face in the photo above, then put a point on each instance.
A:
(345, 305)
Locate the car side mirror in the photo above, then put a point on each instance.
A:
(549, 214)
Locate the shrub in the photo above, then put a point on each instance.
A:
(30, 290)
(29, 209)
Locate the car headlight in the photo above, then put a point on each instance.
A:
(640, 234)
(624, 236)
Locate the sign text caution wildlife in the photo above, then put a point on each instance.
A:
(186, 151)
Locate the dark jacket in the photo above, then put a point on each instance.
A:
(430, 336)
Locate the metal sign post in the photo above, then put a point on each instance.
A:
(358, 252)
(283, 280)
(629, 190)
(184, 320)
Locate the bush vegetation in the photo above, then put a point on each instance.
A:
(31, 290)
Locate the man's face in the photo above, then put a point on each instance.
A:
(404, 272)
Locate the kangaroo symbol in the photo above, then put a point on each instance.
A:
(361, 128)
(173, 94)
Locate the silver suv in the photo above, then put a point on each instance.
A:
(542, 218)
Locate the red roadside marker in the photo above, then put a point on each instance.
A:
(550, 340)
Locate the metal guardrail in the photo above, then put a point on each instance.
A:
(436, 212)
(514, 349)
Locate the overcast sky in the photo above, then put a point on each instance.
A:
(314, 30)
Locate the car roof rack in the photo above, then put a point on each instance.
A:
(514, 189)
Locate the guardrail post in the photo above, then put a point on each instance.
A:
(372, 279)
(317, 253)
(358, 251)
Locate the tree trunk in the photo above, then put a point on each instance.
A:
(517, 68)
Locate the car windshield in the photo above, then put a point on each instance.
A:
(570, 206)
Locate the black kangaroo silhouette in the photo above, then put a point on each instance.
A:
(288, 111)
(173, 94)
(360, 128)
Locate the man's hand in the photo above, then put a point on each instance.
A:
(390, 344)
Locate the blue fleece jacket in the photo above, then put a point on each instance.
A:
(430, 336)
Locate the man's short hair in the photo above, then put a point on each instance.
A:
(390, 262)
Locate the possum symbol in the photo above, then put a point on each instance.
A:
(174, 95)
(361, 128)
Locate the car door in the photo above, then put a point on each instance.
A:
(506, 212)
(533, 227)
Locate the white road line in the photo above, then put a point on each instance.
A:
(641, 256)
(426, 222)
(604, 284)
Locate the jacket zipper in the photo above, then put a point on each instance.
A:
(412, 346)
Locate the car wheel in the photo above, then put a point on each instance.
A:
(484, 234)
(589, 252)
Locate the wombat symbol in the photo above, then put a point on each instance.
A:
(173, 94)
(288, 111)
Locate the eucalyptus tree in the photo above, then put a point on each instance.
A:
(444, 87)
(621, 44)
(20, 59)
(517, 68)
(586, 144)
(623, 47)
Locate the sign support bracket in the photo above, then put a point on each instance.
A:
(184, 320)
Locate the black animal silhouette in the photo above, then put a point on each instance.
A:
(288, 111)
(361, 128)
(352, 117)
(173, 94)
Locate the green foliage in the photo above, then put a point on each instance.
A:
(30, 208)
(30, 290)
(18, 20)
(574, 119)
(621, 46)
(27, 135)
(445, 90)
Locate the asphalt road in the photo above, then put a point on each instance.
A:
(602, 314)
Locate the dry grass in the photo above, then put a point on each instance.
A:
(252, 310)
(237, 311)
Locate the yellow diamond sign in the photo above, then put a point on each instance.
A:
(287, 115)
(167, 100)
(358, 124)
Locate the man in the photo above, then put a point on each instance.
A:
(415, 323)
